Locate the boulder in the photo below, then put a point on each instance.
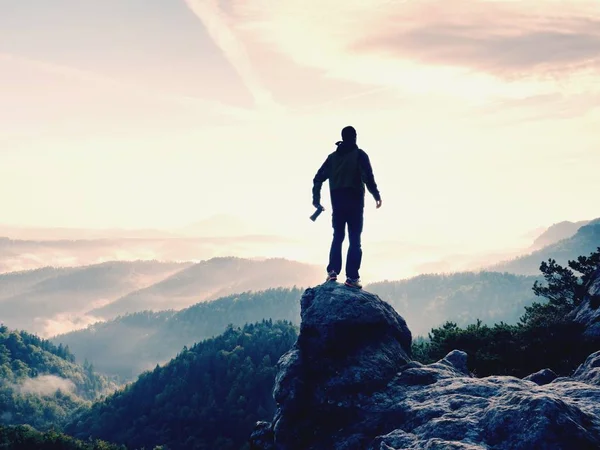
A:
(349, 384)
(542, 377)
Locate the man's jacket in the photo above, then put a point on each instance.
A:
(348, 169)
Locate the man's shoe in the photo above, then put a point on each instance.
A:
(353, 282)
(331, 276)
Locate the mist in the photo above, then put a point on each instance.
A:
(46, 385)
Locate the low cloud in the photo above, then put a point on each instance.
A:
(65, 323)
(46, 385)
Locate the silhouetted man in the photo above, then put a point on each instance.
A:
(348, 169)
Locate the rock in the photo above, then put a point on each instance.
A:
(262, 437)
(542, 377)
(588, 313)
(589, 371)
(349, 384)
(350, 345)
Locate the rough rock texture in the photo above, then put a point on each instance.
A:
(349, 384)
(588, 313)
(542, 377)
(350, 345)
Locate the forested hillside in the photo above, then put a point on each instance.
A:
(208, 397)
(131, 344)
(546, 336)
(24, 437)
(430, 300)
(40, 301)
(40, 384)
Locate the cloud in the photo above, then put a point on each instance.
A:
(468, 48)
(104, 81)
(502, 41)
(65, 323)
(216, 22)
(46, 385)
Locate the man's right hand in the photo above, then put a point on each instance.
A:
(378, 204)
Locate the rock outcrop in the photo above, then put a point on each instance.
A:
(588, 313)
(349, 384)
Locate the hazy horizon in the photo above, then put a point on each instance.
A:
(230, 236)
(479, 117)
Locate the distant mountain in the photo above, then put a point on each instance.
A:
(427, 301)
(40, 383)
(28, 254)
(208, 397)
(131, 344)
(212, 279)
(50, 300)
(556, 233)
(583, 243)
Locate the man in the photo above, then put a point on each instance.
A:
(348, 169)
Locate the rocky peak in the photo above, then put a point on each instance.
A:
(351, 344)
(349, 384)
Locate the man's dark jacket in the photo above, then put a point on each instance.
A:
(348, 169)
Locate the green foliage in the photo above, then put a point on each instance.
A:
(133, 343)
(40, 385)
(25, 437)
(544, 337)
(130, 344)
(208, 397)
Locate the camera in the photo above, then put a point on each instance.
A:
(318, 212)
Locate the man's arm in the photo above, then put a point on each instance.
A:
(321, 176)
(366, 172)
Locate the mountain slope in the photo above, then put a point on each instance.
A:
(25, 437)
(584, 242)
(42, 300)
(208, 397)
(131, 344)
(429, 300)
(556, 233)
(212, 279)
(40, 384)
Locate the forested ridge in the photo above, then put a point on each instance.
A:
(133, 343)
(546, 335)
(136, 342)
(40, 384)
(24, 437)
(208, 397)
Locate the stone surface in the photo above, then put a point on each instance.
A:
(588, 313)
(349, 384)
(350, 345)
(542, 377)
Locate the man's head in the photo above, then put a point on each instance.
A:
(349, 135)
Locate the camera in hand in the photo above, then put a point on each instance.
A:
(317, 213)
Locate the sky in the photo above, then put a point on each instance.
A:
(480, 118)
